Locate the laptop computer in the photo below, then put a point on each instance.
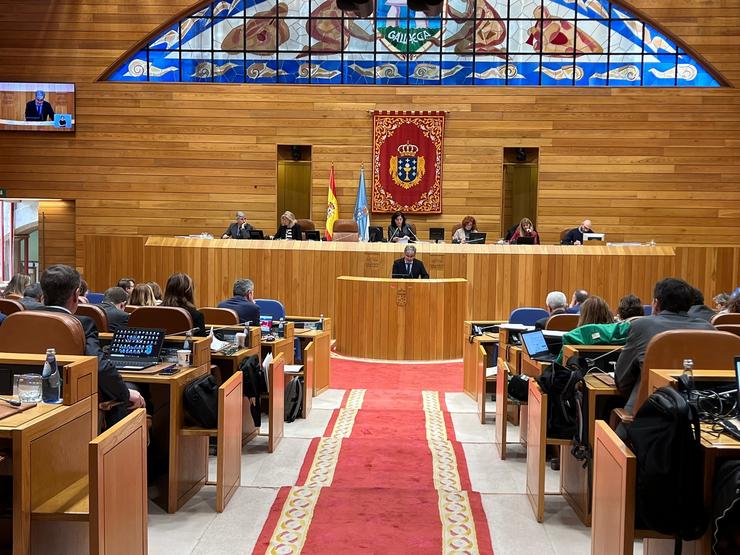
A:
(477, 238)
(313, 235)
(732, 425)
(536, 345)
(525, 240)
(136, 348)
(256, 234)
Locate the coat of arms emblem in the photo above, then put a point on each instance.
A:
(407, 168)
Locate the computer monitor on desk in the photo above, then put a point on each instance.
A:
(313, 235)
(256, 234)
(593, 237)
(525, 240)
(477, 238)
(436, 234)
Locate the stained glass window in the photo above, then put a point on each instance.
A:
(473, 42)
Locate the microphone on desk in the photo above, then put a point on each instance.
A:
(414, 234)
(191, 330)
(478, 330)
(395, 232)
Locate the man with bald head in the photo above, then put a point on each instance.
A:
(239, 229)
(575, 235)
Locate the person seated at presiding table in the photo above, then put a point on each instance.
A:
(61, 287)
(578, 298)
(409, 267)
(525, 229)
(157, 291)
(699, 309)
(575, 235)
(462, 235)
(289, 228)
(142, 295)
(399, 230)
(630, 306)
(16, 286)
(595, 310)
(671, 302)
(555, 303)
(33, 297)
(239, 229)
(179, 292)
(243, 302)
(127, 284)
(114, 300)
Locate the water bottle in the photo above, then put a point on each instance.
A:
(51, 383)
(688, 377)
(321, 322)
(281, 328)
(186, 346)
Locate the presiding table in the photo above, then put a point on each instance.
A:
(400, 319)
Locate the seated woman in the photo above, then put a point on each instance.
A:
(84, 288)
(399, 230)
(142, 295)
(157, 290)
(525, 229)
(179, 292)
(462, 235)
(16, 286)
(630, 306)
(595, 310)
(288, 229)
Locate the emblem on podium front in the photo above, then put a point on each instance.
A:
(407, 168)
(401, 296)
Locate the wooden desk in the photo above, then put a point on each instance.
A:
(32, 438)
(284, 345)
(475, 362)
(400, 319)
(321, 354)
(509, 364)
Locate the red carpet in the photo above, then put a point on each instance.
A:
(388, 475)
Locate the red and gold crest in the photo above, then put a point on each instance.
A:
(407, 162)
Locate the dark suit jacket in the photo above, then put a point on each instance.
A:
(30, 303)
(642, 330)
(110, 383)
(199, 321)
(702, 311)
(296, 230)
(417, 270)
(405, 231)
(117, 318)
(573, 235)
(236, 232)
(542, 322)
(247, 310)
(32, 114)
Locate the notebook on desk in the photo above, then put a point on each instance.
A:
(732, 425)
(136, 348)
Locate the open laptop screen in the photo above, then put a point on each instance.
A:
(141, 343)
(266, 324)
(535, 343)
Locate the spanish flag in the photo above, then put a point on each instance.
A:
(332, 206)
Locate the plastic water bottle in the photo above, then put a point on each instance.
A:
(51, 383)
(321, 322)
(281, 327)
(688, 372)
(186, 346)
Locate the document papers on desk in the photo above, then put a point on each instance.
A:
(491, 372)
(515, 327)
(292, 368)
(553, 333)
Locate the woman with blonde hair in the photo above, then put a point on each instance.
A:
(289, 228)
(142, 295)
(179, 292)
(16, 286)
(525, 229)
(462, 235)
(157, 290)
(595, 310)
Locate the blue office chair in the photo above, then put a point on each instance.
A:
(648, 308)
(271, 307)
(527, 316)
(95, 298)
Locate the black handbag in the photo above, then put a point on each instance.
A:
(200, 400)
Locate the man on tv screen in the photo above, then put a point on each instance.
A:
(39, 109)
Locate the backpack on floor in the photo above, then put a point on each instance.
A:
(200, 400)
(670, 467)
(294, 399)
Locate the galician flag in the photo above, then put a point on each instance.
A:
(361, 212)
(332, 206)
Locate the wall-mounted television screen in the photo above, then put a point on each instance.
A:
(37, 107)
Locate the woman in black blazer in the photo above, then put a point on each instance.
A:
(289, 228)
(400, 229)
(179, 292)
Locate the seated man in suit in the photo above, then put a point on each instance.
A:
(239, 229)
(243, 302)
(33, 297)
(671, 302)
(114, 301)
(575, 235)
(127, 284)
(39, 109)
(555, 303)
(699, 309)
(409, 267)
(61, 286)
(578, 298)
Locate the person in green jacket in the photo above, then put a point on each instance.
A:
(596, 334)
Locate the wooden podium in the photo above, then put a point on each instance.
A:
(400, 319)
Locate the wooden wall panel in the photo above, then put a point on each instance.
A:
(57, 232)
(168, 159)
